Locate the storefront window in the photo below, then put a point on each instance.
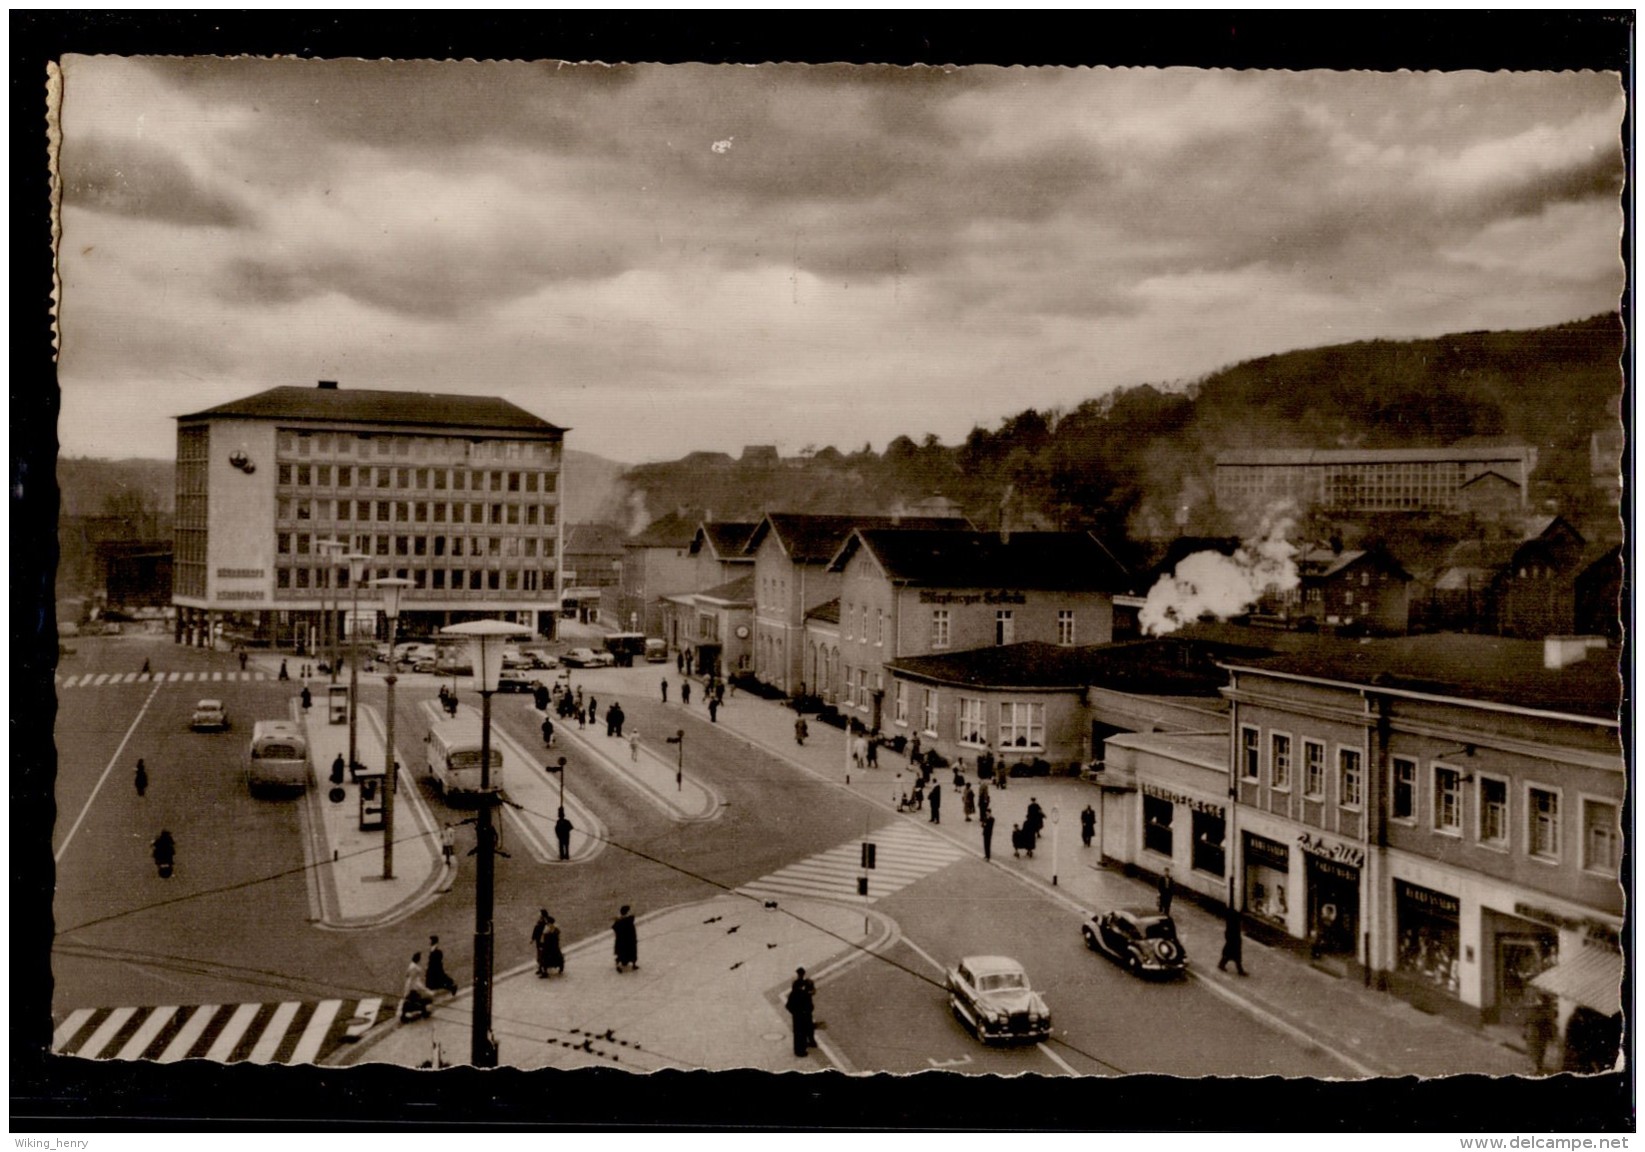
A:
(1156, 824)
(1427, 948)
(1209, 832)
(1267, 868)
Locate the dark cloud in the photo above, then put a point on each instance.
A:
(133, 178)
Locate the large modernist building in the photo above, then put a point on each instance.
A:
(458, 494)
(1367, 479)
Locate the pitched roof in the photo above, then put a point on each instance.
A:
(1490, 473)
(813, 539)
(1161, 666)
(1049, 560)
(595, 538)
(672, 531)
(727, 538)
(738, 591)
(828, 613)
(1323, 563)
(1464, 667)
(369, 406)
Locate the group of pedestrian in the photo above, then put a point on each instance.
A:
(614, 717)
(448, 700)
(545, 938)
(421, 985)
(1026, 835)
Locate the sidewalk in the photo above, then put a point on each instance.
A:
(1370, 1033)
(675, 1010)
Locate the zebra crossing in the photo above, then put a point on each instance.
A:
(99, 679)
(289, 1032)
(903, 854)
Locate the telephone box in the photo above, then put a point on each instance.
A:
(337, 704)
(371, 798)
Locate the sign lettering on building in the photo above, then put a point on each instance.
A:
(1331, 849)
(1193, 803)
(1001, 597)
(239, 573)
(241, 595)
(1595, 930)
(1427, 898)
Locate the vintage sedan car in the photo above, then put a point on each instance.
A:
(993, 999)
(541, 659)
(587, 658)
(517, 682)
(1144, 940)
(209, 716)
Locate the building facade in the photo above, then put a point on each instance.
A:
(1365, 479)
(657, 564)
(458, 494)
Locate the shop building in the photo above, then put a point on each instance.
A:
(657, 564)
(458, 494)
(715, 627)
(1439, 814)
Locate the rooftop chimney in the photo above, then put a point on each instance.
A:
(328, 385)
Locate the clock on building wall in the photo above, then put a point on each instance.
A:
(742, 631)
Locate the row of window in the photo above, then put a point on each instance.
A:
(1445, 785)
(415, 511)
(293, 442)
(1021, 722)
(1005, 627)
(425, 479)
(471, 579)
(298, 544)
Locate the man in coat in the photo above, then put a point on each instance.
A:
(987, 835)
(1166, 891)
(934, 799)
(562, 833)
(1232, 944)
(1088, 825)
(625, 939)
(802, 1006)
(438, 977)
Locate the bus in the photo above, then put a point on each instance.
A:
(625, 646)
(277, 760)
(454, 757)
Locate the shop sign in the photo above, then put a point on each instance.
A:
(239, 573)
(1193, 803)
(240, 595)
(1331, 849)
(1261, 850)
(1001, 597)
(1592, 929)
(1436, 903)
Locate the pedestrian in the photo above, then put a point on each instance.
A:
(549, 954)
(936, 803)
(985, 803)
(959, 775)
(1166, 892)
(685, 692)
(593, 709)
(548, 732)
(611, 721)
(308, 698)
(1088, 825)
(242, 660)
(634, 747)
(801, 731)
(665, 689)
(145, 666)
(919, 795)
(164, 850)
(1017, 840)
(438, 977)
(562, 833)
(141, 778)
(987, 836)
(1232, 944)
(579, 697)
(1034, 821)
(714, 709)
(1540, 1022)
(914, 749)
(969, 803)
(416, 997)
(679, 666)
(802, 1006)
(284, 675)
(625, 939)
(873, 755)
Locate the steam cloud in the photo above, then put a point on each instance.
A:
(1223, 586)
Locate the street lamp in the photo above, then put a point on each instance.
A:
(329, 547)
(485, 638)
(390, 589)
(679, 764)
(1056, 817)
(356, 572)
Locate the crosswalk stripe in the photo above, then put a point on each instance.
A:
(314, 1035)
(903, 855)
(103, 679)
(190, 1033)
(216, 675)
(145, 1034)
(229, 1037)
(129, 678)
(66, 1030)
(364, 1017)
(106, 1031)
(174, 677)
(273, 1032)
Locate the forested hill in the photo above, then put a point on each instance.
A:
(1139, 461)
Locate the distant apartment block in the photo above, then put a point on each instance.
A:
(1370, 480)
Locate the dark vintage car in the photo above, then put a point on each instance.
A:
(517, 682)
(1144, 940)
(993, 999)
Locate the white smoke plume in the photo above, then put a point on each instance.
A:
(1223, 586)
(637, 516)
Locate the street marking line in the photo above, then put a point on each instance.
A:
(273, 1032)
(229, 1038)
(106, 1032)
(173, 678)
(924, 955)
(103, 679)
(129, 678)
(68, 1028)
(184, 1040)
(144, 1036)
(365, 1015)
(58, 855)
(314, 1035)
(1055, 1059)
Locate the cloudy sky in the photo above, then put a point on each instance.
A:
(692, 257)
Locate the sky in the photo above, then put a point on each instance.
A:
(677, 258)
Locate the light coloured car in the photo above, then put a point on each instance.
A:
(541, 659)
(992, 997)
(209, 716)
(587, 658)
(513, 659)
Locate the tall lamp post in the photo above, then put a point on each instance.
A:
(1056, 821)
(329, 547)
(485, 638)
(390, 589)
(356, 570)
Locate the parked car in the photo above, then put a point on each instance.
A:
(1144, 940)
(516, 682)
(656, 650)
(540, 659)
(209, 716)
(414, 654)
(992, 997)
(514, 658)
(587, 658)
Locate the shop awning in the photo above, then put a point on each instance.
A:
(1590, 976)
